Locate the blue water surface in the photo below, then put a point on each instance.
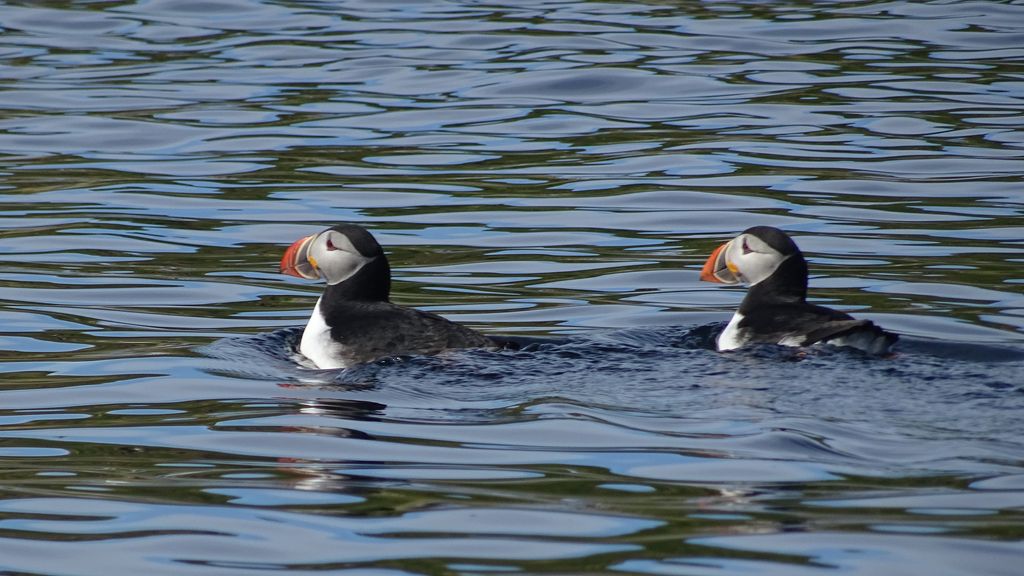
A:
(554, 173)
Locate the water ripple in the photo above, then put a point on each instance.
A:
(552, 173)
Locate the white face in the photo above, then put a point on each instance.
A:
(334, 256)
(750, 259)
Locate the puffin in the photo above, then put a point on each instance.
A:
(354, 321)
(775, 309)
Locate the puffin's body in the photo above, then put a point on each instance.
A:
(775, 309)
(353, 321)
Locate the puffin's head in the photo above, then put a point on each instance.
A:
(750, 257)
(336, 254)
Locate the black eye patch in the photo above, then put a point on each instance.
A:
(746, 249)
(330, 245)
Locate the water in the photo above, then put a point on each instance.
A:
(550, 171)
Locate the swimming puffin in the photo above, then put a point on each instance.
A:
(775, 309)
(353, 321)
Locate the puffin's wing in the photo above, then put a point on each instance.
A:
(862, 334)
(804, 324)
(448, 334)
(835, 328)
(382, 329)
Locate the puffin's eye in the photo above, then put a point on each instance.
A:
(746, 249)
(330, 245)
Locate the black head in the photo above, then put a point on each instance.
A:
(361, 239)
(777, 239)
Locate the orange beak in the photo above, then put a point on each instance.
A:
(717, 268)
(296, 261)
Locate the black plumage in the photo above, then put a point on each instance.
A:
(775, 309)
(365, 325)
(355, 321)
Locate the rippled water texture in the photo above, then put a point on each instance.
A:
(551, 171)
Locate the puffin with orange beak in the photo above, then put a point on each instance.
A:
(354, 320)
(775, 309)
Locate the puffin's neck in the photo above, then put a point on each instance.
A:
(788, 284)
(372, 283)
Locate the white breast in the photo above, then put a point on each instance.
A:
(730, 338)
(317, 344)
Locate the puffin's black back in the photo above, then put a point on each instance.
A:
(372, 330)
